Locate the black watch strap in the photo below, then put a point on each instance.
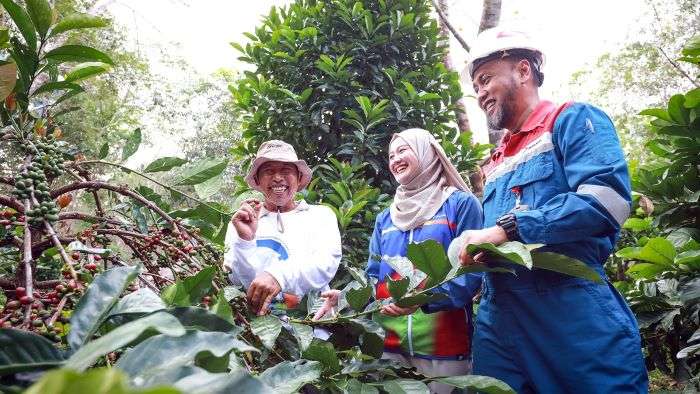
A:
(509, 224)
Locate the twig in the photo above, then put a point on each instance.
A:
(170, 188)
(123, 190)
(27, 258)
(678, 67)
(59, 308)
(12, 203)
(61, 251)
(444, 20)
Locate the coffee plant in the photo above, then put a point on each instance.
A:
(657, 266)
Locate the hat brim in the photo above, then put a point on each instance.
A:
(302, 167)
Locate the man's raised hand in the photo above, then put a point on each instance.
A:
(245, 220)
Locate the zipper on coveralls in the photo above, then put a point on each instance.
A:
(410, 317)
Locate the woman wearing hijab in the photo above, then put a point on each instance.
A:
(432, 202)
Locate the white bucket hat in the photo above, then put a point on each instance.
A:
(280, 151)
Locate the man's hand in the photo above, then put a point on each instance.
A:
(395, 310)
(331, 302)
(245, 220)
(261, 292)
(495, 235)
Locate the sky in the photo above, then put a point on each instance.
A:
(572, 35)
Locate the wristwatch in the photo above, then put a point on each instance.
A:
(509, 224)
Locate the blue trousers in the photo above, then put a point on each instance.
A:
(546, 333)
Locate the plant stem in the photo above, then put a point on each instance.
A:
(170, 188)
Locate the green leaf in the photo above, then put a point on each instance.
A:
(238, 381)
(267, 328)
(658, 113)
(304, 335)
(202, 171)
(677, 111)
(104, 151)
(78, 21)
(690, 258)
(96, 381)
(658, 251)
(161, 352)
(132, 144)
(637, 224)
(564, 265)
(692, 98)
(122, 336)
(478, 383)
(429, 257)
(222, 309)
(141, 301)
(23, 22)
(325, 353)
(407, 386)
(289, 376)
(41, 14)
(420, 299)
(193, 318)
(210, 187)
(354, 386)
(140, 218)
(358, 298)
(645, 270)
(94, 306)
(689, 291)
(688, 351)
(164, 164)
(85, 70)
(22, 351)
(61, 85)
(8, 79)
(189, 291)
(77, 53)
(512, 252)
(397, 288)
(77, 246)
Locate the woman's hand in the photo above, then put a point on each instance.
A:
(395, 310)
(331, 302)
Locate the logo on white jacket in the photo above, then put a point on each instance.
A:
(274, 245)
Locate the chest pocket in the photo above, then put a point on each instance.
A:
(535, 179)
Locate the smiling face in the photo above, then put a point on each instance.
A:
(403, 162)
(279, 182)
(495, 86)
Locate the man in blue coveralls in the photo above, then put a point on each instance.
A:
(557, 178)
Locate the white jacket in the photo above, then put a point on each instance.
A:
(304, 257)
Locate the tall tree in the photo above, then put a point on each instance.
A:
(339, 77)
(443, 9)
(491, 14)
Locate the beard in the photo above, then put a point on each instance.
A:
(505, 109)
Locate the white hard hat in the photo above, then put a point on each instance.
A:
(497, 42)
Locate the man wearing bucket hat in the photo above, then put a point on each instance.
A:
(280, 248)
(558, 178)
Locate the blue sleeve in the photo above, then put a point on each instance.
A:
(599, 197)
(375, 252)
(461, 290)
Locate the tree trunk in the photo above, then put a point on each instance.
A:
(490, 17)
(462, 119)
(491, 14)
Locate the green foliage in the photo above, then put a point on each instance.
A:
(24, 351)
(99, 299)
(98, 381)
(190, 290)
(336, 78)
(658, 263)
